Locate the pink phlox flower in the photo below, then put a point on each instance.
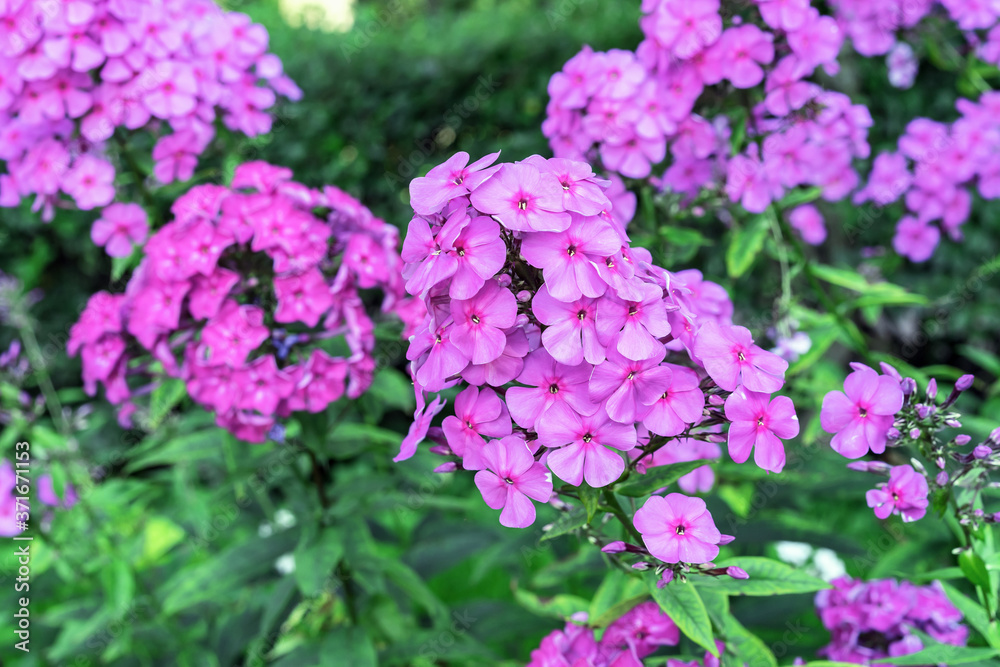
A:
(731, 359)
(522, 198)
(568, 258)
(678, 406)
(478, 413)
(119, 226)
(511, 480)
(454, 178)
(570, 335)
(548, 383)
(757, 423)
(479, 322)
(634, 328)
(905, 494)
(584, 442)
(678, 529)
(625, 387)
(861, 415)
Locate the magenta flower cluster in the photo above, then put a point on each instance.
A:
(877, 619)
(640, 632)
(630, 111)
(41, 488)
(73, 73)
(573, 348)
(251, 296)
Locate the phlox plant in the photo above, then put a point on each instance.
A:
(237, 298)
(79, 80)
(739, 101)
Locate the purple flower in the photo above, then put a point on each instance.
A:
(678, 529)
(584, 442)
(757, 424)
(511, 479)
(624, 386)
(731, 359)
(523, 199)
(568, 258)
(549, 383)
(479, 322)
(862, 414)
(478, 413)
(905, 494)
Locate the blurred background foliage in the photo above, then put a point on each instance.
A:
(189, 548)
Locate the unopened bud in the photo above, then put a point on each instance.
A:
(450, 466)
(965, 382)
(668, 576)
(909, 386)
(962, 440)
(641, 565)
(725, 539)
(942, 478)
(737, 572)
(932, 389)
(982, 451)
(614, 548)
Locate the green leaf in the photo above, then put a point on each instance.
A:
(590, 497)
(681, 602)
(974, 569)
(747, 646)
(159, 535)
(619, 592)
(745, 246)
(799, 196)
(119, 587)
(767, 577)
(567, 523)
(683, 236)
(164, 399)
(974, 614)
(216, 579)
(846, 278)
(944, 654)
(638, 486)
(561, 606)
(316, 559)
(347, 646)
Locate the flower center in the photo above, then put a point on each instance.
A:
(741, 356)
(633, 311)
(680, 530)
(587, 437)
(523, 204)
(863, 412)
(582, 315)
(475, 319)
(571, 250)
(553, 389)
(630, 375)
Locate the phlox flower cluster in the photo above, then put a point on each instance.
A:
(72, 73)
(876, 411)
(574, 354)
(629, 111)
(878, 619)
(934, 172)
(40, 488)
(640, 632)
(251, 296)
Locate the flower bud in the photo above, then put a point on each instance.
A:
(962, 440)
(982, 451)
(737, 572)
(450, 466)
(717, 400)
(953, 423)
(914, 433)
(909, 386)
(641, 565)
(524, 296)
(964, 383)
(942, 478)
(890, 371)
(893, 434)
(932, 389)
(668, 576)
(923, 410)
(725, 539)
(940, 462)
(614, 548)
(504, 280)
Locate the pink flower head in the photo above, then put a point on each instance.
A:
(479, 322)
(90, 182)
(784, 14)
(584, 442)
(679, 405)
(808, 222)
(862, 414)
(511, 479)
(731, 359)
(743, 50)
(582, 190)
(454, 178)
(567, 258)
(523, 198)
(905, 494)
(570, 335)
(678, 529)
(625, 387)
(548, 383)
(817, 41)
(303, 297)
(757, 423)
(478, 413)
(234, 332)
(915, 240)
(688, 27)
(119, 226)
(480, 253)
(641, 630)
(634, 328)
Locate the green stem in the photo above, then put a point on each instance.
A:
(616, 509)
